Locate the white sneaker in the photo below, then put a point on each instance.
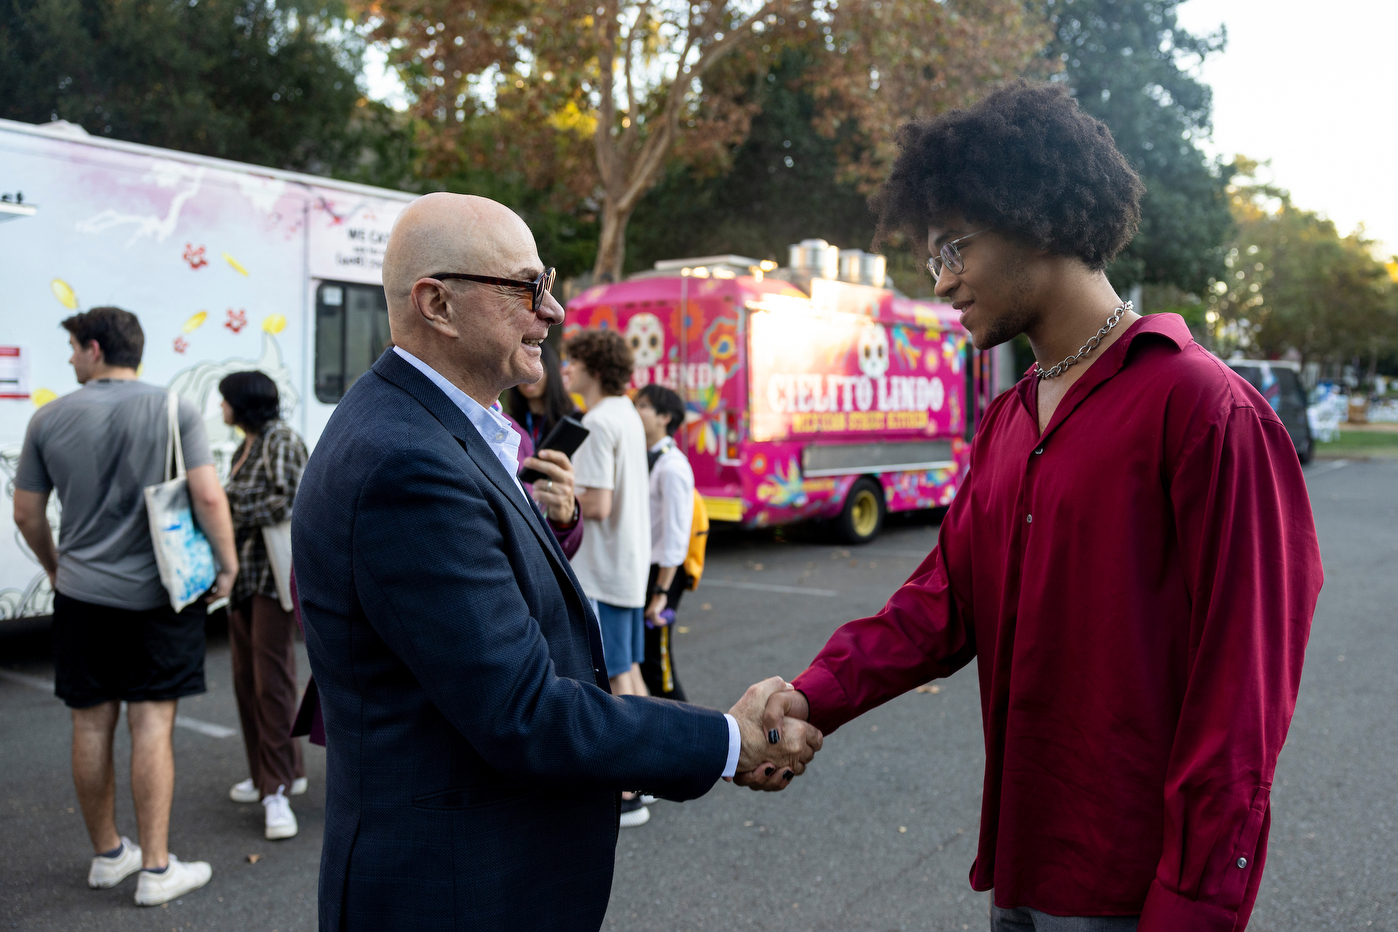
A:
(633, 813)
(177, 880)
(245, 792)
(108, 872)
(647, 799)
(281, 821)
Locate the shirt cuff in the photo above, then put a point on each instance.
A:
(735, 746)
(1166, 911)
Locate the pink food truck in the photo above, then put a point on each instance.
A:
(831, 400)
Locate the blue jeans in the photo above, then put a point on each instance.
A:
(623, 635)
(1032, 920)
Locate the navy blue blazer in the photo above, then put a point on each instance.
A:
(474, 751)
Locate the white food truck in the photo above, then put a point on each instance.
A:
(228, 266)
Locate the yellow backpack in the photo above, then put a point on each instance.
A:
(698, 540)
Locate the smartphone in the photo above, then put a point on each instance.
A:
(567, 435)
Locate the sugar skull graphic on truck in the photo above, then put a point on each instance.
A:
(873, 351)
(646, 337)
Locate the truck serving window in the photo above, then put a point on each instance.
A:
(351, 332)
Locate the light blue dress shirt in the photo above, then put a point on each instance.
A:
(499, 435)
(491, 423)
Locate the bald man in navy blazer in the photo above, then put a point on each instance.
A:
(475, 754)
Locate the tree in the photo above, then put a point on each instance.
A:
(595, 100)
(264, 82)
(780, 188)
(1127, 62)
(1293, 283)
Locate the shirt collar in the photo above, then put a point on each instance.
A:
(491, 422)
(663, 444)
(1171, 327)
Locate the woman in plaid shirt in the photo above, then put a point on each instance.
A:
(266, 471)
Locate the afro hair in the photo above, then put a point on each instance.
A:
(1025, 160)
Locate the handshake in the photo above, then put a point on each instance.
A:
(777, 741)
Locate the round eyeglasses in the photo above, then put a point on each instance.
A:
(949, 256)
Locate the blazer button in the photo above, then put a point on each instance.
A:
(1242, 862)
(1028, 519)
(1038, 451)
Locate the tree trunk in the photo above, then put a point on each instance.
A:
(611, 244)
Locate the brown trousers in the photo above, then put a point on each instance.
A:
(261, 637)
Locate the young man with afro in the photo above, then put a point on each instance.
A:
(1131, 561)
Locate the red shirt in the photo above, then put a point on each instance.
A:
(1136, 585)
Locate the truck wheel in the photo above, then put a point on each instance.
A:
(862, 517)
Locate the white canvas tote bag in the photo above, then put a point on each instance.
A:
(182, 552)
(277, 537)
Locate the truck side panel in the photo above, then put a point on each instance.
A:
(212, 257)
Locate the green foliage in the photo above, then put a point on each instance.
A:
(779, 190)
(1127, 62)
(272, 83)
(1293, 282)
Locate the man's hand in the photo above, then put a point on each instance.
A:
(774, 751)
(785, 709)
(657, 605)
(554, 492)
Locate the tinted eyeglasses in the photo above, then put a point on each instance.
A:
(949, 256)
(538, 287)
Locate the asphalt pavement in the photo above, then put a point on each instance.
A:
(878, 835)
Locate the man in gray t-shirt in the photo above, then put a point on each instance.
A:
(116, 637)
(100, 447)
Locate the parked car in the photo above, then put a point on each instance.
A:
(1280, 383)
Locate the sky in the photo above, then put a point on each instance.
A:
(1311, 86)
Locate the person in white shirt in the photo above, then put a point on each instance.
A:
(671, 515)
(610, 476)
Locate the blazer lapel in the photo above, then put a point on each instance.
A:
(398, 371)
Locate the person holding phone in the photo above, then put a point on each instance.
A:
(547, 475)
(538, 407)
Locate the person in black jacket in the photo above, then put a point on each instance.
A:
(475, 757)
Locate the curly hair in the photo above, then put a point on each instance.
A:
(1025, 160)
(606, 355)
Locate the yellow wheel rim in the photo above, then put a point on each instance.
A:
(864, 514)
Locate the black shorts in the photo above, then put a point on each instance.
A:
(104, 654)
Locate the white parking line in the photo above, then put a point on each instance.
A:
(181, 721)
(767, 587)
(204, 728)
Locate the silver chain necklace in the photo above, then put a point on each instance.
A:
(1089, 346)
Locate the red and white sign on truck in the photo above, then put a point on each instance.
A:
(832, 400)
